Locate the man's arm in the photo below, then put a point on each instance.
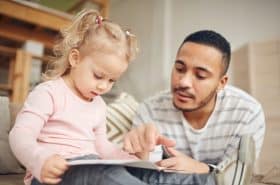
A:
(255, 126)
(142, 139)
(144, 135)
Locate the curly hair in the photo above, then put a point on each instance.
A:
(90, 32)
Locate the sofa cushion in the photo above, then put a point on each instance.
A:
(8, 163)
(119, 117)
(12, 179)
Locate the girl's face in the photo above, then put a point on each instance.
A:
(94, 74)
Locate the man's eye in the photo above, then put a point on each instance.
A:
(180, 69)
(97, 76)
(201, 77)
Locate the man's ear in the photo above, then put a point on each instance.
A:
(223, 82)
(74, 57)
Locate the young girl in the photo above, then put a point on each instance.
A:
(65, 116)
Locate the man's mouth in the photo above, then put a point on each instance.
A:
(184, 96)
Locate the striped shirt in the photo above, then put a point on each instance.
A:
(235, 114)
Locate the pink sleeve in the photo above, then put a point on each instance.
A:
(104, 147)
(23, 137)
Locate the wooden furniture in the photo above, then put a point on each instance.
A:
(19, 71)
(21, 21)
(256, 69)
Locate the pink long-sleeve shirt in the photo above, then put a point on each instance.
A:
(54, 120)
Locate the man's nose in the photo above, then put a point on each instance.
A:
(186, 80)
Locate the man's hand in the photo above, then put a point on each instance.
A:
(52, 169)
(143, 139)
(183, 163)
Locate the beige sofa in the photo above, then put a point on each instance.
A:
(119, 117)
(10, 169)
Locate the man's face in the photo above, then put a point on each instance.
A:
(196, 76)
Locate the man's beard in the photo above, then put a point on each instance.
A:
(201, 104)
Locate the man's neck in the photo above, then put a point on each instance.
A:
(198, 119)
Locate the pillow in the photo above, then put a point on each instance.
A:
(119, 117)
(8, 163)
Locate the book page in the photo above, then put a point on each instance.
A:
(131, 163)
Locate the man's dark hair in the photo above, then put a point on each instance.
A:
(214, 39)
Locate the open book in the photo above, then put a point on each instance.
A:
(130, 163)
(156, 155)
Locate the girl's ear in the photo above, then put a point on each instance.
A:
(74, 57)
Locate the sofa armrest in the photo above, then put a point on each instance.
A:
(9, 164)
(14, 109)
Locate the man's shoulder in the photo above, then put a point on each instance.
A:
(237, 96)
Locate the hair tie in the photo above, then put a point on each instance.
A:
(128, 33)
(99, 20)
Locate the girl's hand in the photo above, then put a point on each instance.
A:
(52, 169)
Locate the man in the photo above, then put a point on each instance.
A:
(202, 119)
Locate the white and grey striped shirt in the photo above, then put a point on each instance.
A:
(236, 113)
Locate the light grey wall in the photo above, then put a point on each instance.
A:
(145, 75)
(240, 21)
(161, 25)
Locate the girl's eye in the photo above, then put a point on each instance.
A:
(97, 76)
(112, 81)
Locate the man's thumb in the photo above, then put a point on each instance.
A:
(173, 152)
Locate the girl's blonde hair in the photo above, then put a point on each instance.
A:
(89, 32)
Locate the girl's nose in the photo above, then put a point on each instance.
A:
(103, 85)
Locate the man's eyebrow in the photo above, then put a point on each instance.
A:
(198, 68)
(179, 62)
(203, 69)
